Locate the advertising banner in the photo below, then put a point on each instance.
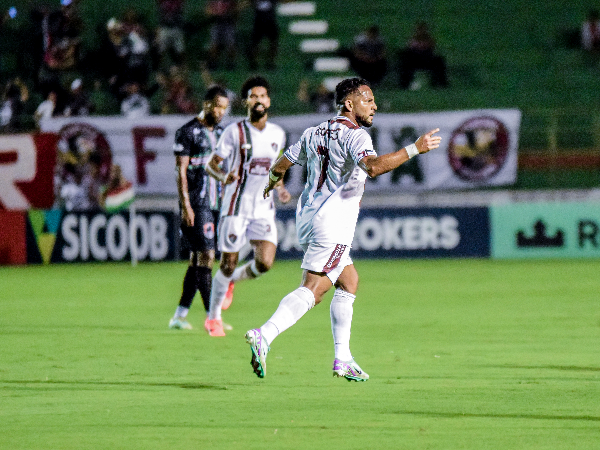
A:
(479, 147)
(405, 233)
(55, 236)
(546, 230)
(27, 164)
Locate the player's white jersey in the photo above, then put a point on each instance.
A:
(328, 207)
(249, 153)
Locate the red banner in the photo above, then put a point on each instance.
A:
(13, 247)
(27, 170)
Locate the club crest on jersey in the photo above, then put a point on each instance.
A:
(209, 230)
(232, 237)
(274, 146)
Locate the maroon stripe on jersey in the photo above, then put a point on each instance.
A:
(346, 122)
(240, 170)
(335, 258)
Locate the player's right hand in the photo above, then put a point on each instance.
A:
(187, 217)
(428, 141)
(267, 191)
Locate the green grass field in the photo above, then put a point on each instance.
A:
(462, 354)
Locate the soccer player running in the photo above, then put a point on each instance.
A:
(338, 155)
(199, 199)
(248, 149)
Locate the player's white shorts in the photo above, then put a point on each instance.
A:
(235, 231)
(330, 259)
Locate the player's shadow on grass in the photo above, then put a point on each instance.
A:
(116, 383)
(551, 367)
(453, 415)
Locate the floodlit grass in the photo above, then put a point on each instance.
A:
(462, 354)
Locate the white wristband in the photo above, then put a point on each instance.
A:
(411, 150)
(272, 177)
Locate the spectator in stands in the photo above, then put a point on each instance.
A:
(420, 54)
(590, 36)
(368, 55)
(321, 99)
(264, 26)
(63, 37)
(78, 103)
(135, 104)
(169, 38)
(178, 94)
(104, 103)
(131, 62)
(223, 15)
(45, 110)
(14, 97)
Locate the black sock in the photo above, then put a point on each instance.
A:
(204, 285)
(189, 287)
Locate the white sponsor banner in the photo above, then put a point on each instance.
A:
(479, 147)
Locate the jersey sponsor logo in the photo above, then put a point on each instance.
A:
(209, 230)
(478, 148)
(259, 166)
(335, 258)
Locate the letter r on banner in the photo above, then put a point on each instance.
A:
(17, 164)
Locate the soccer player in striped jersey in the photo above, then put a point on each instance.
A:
(247, 149)
(338, 155)
(199, 199)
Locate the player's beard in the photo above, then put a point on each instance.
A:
(256, 115)
(363, 121)
(210, 120)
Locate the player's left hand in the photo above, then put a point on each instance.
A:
(428, 141)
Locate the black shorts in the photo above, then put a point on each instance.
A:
(202, 236)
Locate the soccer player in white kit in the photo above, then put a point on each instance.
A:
(247, 149)
(338, 155)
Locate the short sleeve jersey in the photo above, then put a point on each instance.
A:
(197, 142)
(328, 207)
(249, 152)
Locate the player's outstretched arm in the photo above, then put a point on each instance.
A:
(276, 173)
(378, 165)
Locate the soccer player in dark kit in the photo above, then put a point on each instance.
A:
(199, 199)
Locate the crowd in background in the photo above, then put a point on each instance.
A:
(137, 70)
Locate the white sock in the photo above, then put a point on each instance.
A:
(220, 284)
(181, 312)
(241, 273)
(290, 309)
(341, 321)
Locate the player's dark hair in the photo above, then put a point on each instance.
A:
(214, 92)
(346, 87)
(254, 82)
